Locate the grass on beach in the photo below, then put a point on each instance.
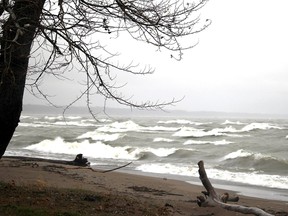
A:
(33, 201)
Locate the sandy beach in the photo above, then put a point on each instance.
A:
(58, 189)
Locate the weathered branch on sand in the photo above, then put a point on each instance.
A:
(105, 171)
(214, 199)
(79, 162)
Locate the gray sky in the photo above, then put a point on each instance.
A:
(239, 65)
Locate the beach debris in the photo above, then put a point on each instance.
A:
(81, 161)
(212, 198)
(78, 161)
(153, 191)
(110, 170)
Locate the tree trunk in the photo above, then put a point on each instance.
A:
(16, 40)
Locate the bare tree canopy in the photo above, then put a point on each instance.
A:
(40, 37)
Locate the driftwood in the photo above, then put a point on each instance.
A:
(105, 171)
(213, 199)
(78, 161)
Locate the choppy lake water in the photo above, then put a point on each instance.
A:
(238, 151)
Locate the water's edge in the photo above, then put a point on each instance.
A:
(239, 189)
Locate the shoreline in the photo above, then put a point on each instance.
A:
(252, 191)
(179, 197)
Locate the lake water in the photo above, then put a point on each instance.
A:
(238, 153)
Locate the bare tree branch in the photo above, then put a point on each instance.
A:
(69, 28)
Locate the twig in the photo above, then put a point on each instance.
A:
(102, 171)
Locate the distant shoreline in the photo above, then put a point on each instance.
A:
(42, 109)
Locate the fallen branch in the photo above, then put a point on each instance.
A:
(213, 199)
(105, 171)
(79, 162)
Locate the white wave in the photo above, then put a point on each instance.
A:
(35, 124)
(53, 117)
(237, 154)
(228, 129)
(132, 126)
(17, 134)
(181, 122)
(260, 126)
(272, 181)
(160, 128)
(160, 152)
(81, 123)
(227, 122)
(160, 139)
(74, 123)
(94, 150)
(72, 117)
(192, 132)
(94, 135)
(242, 153)
(198, 142)
(168, 168)
(28, 117)
(103, 120)
(116, 127)
(61, 118)
(222, 142)
(237, 135)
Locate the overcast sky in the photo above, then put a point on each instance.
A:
(239, 65)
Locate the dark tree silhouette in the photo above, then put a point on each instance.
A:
(40, 37)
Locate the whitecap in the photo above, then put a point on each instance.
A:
(199, 142)
(160, 152)
(35, 124)
(94, 135)
(227, 122)
(168, 168)
(116, 127)
(53, 117)
(260, 126)
(242, 153)
(160, 139)
(181, 122)
(93, 150)
(272, 181)
(192, 132)
(74, 123)
(160, 128)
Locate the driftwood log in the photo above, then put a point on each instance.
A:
(78, 161)
(211, 198)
